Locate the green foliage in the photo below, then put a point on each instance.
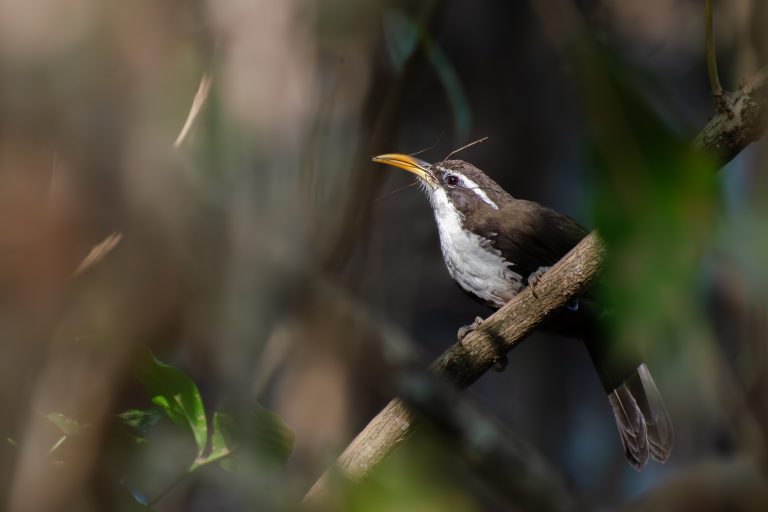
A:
(254, 434)
(260, 431)
(412, 480)
(259, 434)
(454, 91)
(140, 420)
(176, 394)
(68, 426)
(219, 445)
(656, 204)
(403, 37)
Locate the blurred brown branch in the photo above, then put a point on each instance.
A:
(203, 89)
(98, 252)
(710, 486)
(724, 137)
(512, 468)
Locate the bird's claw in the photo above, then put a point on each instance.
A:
(464, 330)
(500, 363)
(535, 277)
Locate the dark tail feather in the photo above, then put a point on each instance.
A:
(661, 436)
(644, 424)
(631, 423)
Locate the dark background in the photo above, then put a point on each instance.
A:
(269, 259)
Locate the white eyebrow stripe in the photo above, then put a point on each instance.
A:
(474, 187)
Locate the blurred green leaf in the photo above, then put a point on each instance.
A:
(402, 36)
(176, 395)
(449, 78)
(140, 419)
(416, 480)
(266, 436)
(656, 204)
(219, 446)
(68, 426)
(258, 435)
(228, 464)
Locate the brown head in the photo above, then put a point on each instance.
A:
(452, 184)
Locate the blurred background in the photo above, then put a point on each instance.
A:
(195, 178)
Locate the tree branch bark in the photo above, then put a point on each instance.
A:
(726, 134)
(465, 362)
(741, 120)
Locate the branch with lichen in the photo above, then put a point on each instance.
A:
(742, 120)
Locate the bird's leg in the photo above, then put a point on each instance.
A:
(464, 330)
(534, 278)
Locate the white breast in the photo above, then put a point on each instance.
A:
(471, 261)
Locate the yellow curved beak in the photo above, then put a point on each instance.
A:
(406, 162)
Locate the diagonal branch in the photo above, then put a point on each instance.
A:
(465, 362)
(725, 136)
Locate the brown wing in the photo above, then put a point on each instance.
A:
(530, 235)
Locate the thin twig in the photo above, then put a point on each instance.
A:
(465, 146)
(398, 189)
(709, 31)
(197, 105)
(428, 148)
(98, 252)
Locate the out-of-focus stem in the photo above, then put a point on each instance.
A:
(714, 79)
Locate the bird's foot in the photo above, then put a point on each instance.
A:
(466, 329)
(535, 277)
(500, 363)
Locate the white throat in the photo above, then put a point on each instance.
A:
(471, 260)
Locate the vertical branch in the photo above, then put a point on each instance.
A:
(709, 36)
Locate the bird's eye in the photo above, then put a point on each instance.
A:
(452, 180)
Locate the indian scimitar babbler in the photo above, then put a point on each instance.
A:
(494, 245)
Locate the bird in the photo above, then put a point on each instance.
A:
(494, 245)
